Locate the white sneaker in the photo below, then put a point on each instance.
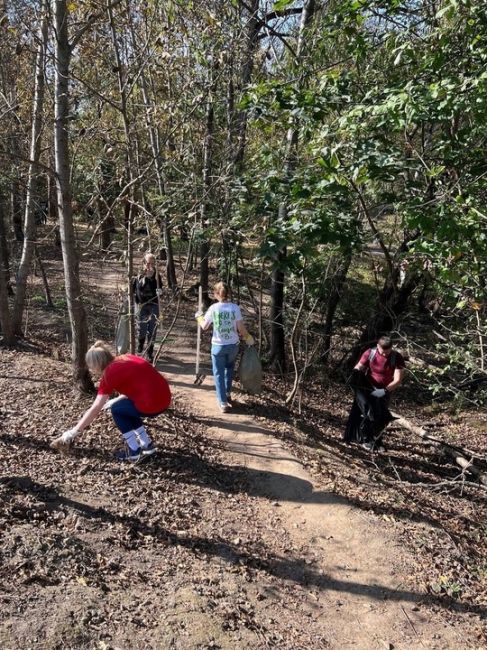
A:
(224, 408)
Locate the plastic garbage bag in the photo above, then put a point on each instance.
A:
(250, 371)
(122, 334)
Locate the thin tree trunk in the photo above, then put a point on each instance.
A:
(333, 301)
(35, 153)
(16, 209)
(157, 157)
(129, 173)
(277, 350)
(77, 314)
(205, 200)
(252, 41)
(47, 291)
(5, 318)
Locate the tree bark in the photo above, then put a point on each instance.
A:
(129, 208)
(252, 40)
(333, 301)
(28, 246)
(278, 350)
(47, 291)
(16, 209)
(5, 318)
(154, 140)
(77, 314)
(205, 199)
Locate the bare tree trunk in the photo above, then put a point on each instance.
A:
(205, 200)
(277, 350)
(5, 318)
(77, 314)
(16, 209)
(35, 153)
(47, 291)
(129, 173)
(333, 300)
(157, 157)
(252, 40)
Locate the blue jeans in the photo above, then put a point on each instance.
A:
(127, 417)
(148, 318)
(223, 361)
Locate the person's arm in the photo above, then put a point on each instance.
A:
(396, 380)
(244, 333)
(64, 441)
(204, 320)
(89, 415)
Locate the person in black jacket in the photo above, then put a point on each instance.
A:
(378, 373)
(147, 288)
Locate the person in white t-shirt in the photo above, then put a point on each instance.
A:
(228, 326)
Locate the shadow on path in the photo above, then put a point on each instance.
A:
(295, 570)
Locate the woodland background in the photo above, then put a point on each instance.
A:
(327, 158)
(330, 155)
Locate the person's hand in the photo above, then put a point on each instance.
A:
(198, 314)
(63, 443)
(159, 292)
(378, 392)
(249, 339)
(199, 318)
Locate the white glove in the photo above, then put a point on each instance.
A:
(70, 435)
(197, 314)
(159, 292)
(378, 392)
(249, 339)
(63, 443)
(111, 402)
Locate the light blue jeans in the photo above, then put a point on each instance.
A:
(223, 361)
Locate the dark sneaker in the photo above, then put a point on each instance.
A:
(128, 454)
(148, 451)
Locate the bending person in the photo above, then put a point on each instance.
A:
(228, 325)
(378, 373)
(144, 393)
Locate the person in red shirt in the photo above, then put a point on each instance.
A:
(143, 393)
(378, 373)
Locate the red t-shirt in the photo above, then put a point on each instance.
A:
(381, 371)
(139, 381)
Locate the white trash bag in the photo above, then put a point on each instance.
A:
(250, 371)
(122, 334)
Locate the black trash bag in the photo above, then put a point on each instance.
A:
(368, 417)
(250, 371)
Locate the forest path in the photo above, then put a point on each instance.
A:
(348, 564)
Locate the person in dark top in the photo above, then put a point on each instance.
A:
(378, 373)
(147, 288)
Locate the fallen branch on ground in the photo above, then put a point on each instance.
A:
(457, 454)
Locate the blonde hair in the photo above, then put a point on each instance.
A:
(222, 290)
(99, 356)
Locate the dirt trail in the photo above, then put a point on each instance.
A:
(352, 567)
(222, 541)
